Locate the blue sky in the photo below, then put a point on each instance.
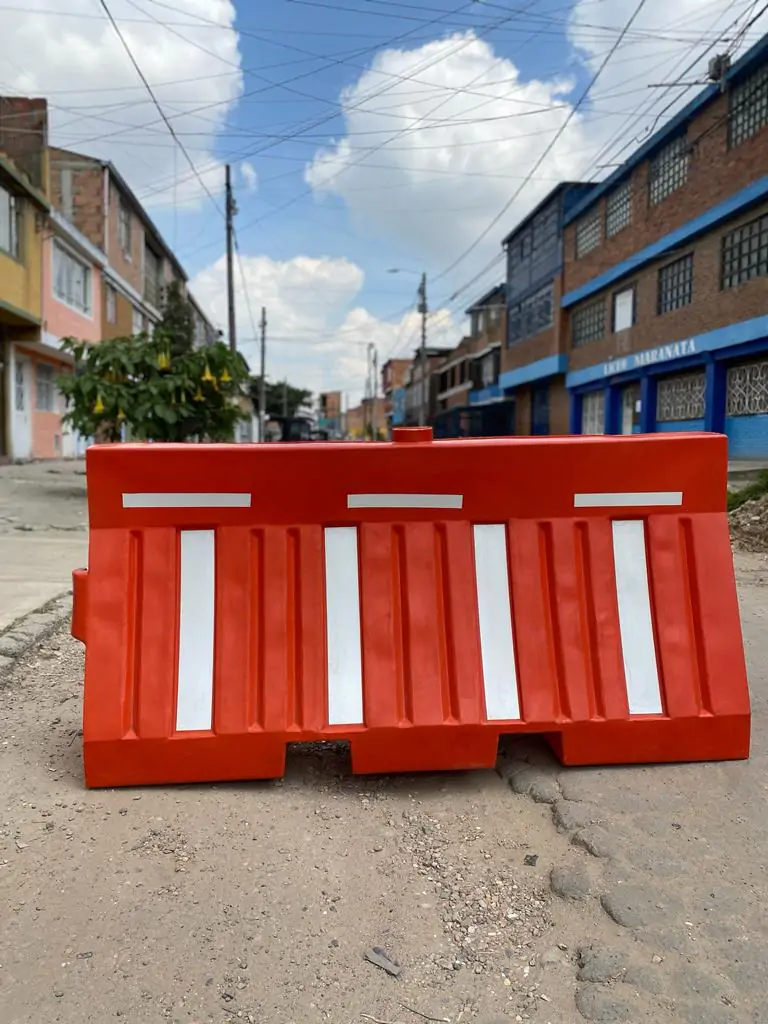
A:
(364, 135)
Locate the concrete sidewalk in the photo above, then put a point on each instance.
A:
(43, 534)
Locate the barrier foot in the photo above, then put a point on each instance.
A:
(422, 750)
(654, 740)
(142, 762)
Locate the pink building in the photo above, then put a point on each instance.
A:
(72, 290)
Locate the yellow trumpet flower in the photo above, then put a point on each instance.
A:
(198, 394)
(207, 376)
(163, 361)
(99, 406)
(120, 415)
(225, 378)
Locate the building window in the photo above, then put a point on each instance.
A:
(680, 398)
(45, 388)
(71, 279)
(19, 386)
(588, 234)
(747, 390)
(137, 321)
(618, 209)
(153, 277)
(749, 108)
(124, 228)
(488, 370)
(675, 285)
(668, 170)
(588, 323)
(745, 253)
(111, 305)
(624, 309)
(530, 316)
(11, 208)
(593, 413)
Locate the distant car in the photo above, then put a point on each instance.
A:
(290, 428)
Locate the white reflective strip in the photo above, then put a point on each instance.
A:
(627, 499)
(497, 645)
(194, 701)
(342, 612)
(405, 500)
(638, 650)
(181, 499)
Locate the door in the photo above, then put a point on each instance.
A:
(22, 407)
(540, 410)
(630, 409)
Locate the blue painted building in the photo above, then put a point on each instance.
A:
(533, 360)
(469, 400)
(666, 275)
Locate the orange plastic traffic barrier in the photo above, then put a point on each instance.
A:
(418, 599)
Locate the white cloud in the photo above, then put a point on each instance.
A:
(440, 137)
(316, 335)
(250, 177)
(97, 103)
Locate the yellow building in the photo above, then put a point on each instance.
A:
(23, 218)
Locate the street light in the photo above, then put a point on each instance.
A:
(422, 308)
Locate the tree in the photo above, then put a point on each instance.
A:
(177, 325)
(138, 383)
(275, 397)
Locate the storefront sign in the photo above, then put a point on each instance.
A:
(675, 350)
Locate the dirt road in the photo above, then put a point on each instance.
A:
(624, 895)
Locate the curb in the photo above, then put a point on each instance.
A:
(25, 633)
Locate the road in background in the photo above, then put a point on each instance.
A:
(43, 534)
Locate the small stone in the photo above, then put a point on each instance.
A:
(58, 994)
(656, 959)
(85, 956)
(572, 882)
(378, 848)
(531, 860)
(379, 958)
(600, 965)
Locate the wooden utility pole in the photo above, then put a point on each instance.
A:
(424, 403)
(263, 380)
(231, 209)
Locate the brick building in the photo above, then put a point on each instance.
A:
(329, 413)
(367, 420)
(394, 374)
(666, 275)
(533, 358)
(94, 196)
(469, 400)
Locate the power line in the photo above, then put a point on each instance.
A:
(500, 257)
(160, 110)
(246, 295)
(548, 149)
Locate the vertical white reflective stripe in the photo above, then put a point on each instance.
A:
(342, 613)
(497, 646)
(194, 702)
(635, 623)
